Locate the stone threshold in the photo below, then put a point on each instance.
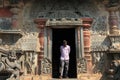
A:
(65, 79)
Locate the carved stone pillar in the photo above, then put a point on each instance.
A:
(16, 6)
(40, 24)
(15, 10)
(86, 33)
(113, 20)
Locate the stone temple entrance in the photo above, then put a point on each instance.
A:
(52, 33)
(58, 36)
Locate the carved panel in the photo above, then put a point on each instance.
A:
(57, 9)
(99, 49)
(113, 70)
(99, 40)
(98, 61)
(115, 42)
(10, 63)
(5, 23)
(46, 66)
(81, 65)
(72, 9)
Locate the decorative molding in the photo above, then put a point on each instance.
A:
(64, 21)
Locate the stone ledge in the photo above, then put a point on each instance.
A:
(89, 76)
(49, 77)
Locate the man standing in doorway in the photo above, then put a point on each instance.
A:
(64, 59)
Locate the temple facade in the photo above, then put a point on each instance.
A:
(31, 32)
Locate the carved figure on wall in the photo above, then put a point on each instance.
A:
(29, 61)
(10, 63)
(115, 42)
(46, 66)
(98, 60)
(82, 65)
(114, 70)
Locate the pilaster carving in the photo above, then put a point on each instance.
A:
(113, 19)
(41, 25)
(16, 6)
(113, 23)
(86, 32)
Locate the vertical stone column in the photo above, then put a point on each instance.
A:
(16, 7)
(15, 10)
(40, 25)
(112, 8)
(87, 44)
(113, 20)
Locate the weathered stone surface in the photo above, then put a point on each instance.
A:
(30, 40)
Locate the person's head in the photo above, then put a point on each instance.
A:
(64, 42)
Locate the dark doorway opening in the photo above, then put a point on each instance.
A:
(58, 36)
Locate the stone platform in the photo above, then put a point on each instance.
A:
(66, 79)
(48, 77)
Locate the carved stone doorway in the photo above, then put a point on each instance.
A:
(78, 35)
(58, 36)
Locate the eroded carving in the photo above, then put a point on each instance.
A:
(115, 42)
(10, 63)
(5, 23)
(98, 61)
(81, 65)
(46, 66)
(114, 70)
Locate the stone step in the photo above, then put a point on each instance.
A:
(49, 77)
(89, 77)
(65, 79)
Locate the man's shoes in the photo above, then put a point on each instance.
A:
(66, 77)
(60, 77)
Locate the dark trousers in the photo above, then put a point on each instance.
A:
(64, 64)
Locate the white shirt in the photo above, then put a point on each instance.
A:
(65, 51)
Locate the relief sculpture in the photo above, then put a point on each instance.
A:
(98, 54)
(82, 65)
(10, 63)
(46, 66)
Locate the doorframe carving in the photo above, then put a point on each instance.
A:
(80, 25)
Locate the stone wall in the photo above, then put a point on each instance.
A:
(49, 9)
